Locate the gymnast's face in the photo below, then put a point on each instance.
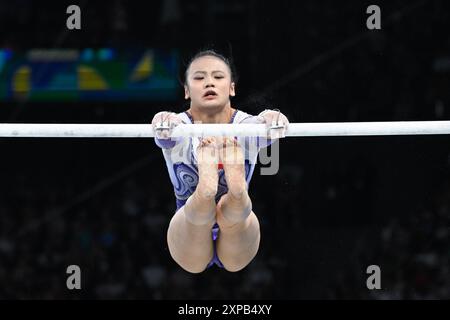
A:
(208, 83)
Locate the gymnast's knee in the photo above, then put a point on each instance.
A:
(185, 259)
(193, 268)
(235, 267)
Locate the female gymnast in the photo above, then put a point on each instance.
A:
(214, 222)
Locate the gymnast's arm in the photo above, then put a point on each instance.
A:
(269, 118)
(168, 120)
(260, 142)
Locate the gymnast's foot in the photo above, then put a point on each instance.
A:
(207, 161)
(232, 158)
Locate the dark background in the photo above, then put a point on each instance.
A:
(336, 206)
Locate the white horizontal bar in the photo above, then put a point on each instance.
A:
(294, 129)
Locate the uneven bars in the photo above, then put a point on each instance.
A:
(41, 130)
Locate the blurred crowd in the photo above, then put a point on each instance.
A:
(326, 205)
(412, 253)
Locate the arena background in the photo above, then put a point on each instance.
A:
(336, 206)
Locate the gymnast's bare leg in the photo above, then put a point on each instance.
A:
(239, 236)
(189, 235)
